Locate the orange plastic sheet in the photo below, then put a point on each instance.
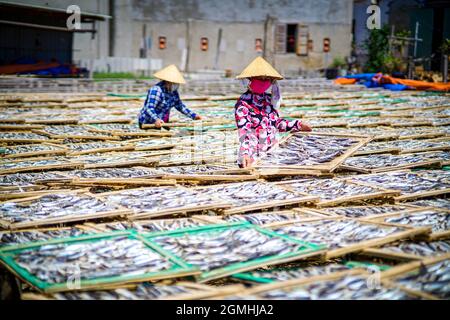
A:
(416, 84)
(344, 81)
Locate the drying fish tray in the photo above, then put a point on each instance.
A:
(32, 150)
(108, 211)
(306, 250)
(134, 199)
(43, 165)
(263, 291)
(406, 181)
(362, 191)
(397, 232)
(154, 225)
(29, 192)
(41, 234)
(238, 204)
(178, 268)
(309, 269)
(355, 142)
(161, 291)
(416, 213)
(419, 270)
(362, 166)
(366, 211)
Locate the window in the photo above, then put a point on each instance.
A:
(310, 45)
(326, 45)
(204, 44)
(258, 45)
(291, 36)
(162, 43)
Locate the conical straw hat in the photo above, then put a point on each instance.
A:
(171, 74)
(259, 68)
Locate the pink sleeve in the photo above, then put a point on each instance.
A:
(284, 125)
(247, 134)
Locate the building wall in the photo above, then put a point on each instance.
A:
(83, 45)
(241, 21)
(240, 29)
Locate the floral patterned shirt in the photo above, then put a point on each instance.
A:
(258, 122)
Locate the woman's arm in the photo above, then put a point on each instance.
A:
(284, 125)
(180, 106)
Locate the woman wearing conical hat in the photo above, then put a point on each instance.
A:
(256, 113)
(162, 97)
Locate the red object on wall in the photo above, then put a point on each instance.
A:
(326, 45)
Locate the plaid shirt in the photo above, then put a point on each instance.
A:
(158, 103)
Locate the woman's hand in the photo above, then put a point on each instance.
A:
(305, 127)
(159, 123)
(198, 117)
(246, 161)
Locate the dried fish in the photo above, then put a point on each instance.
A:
(248, 193)
(22, 136)
(143, 291)
(307, 150)
(33, 165)
(437, 220)
(106, 173)
(390, 161)
(422, 248)
(192, 169)
(19, 237)
(264, 218)
(346, 288)
(409, 182)
(437, 203)
(120, 256)
(336, 233)
(364, 211)
(433, 279)
(34, 148)
(53, 206)
(154, 200)
(27, 179)
(219, 248)
(331, 189)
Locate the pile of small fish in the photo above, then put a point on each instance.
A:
(364, 211)
(143, 291)
(18, 237)
(389, 161)
(24, 179)
(21, 136)
(53, 206)
(57, 263)
(422, 248)
(433, 279)
(107, 173)
(346, 288)
(215, 249)
(265, 218)
(248, 193)
(336, 233)
(20, 149)
(408, 182)
(328, 189)
(306, 150)
(277, 274)
(153, 200)
(438, 221)
(437, 203)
